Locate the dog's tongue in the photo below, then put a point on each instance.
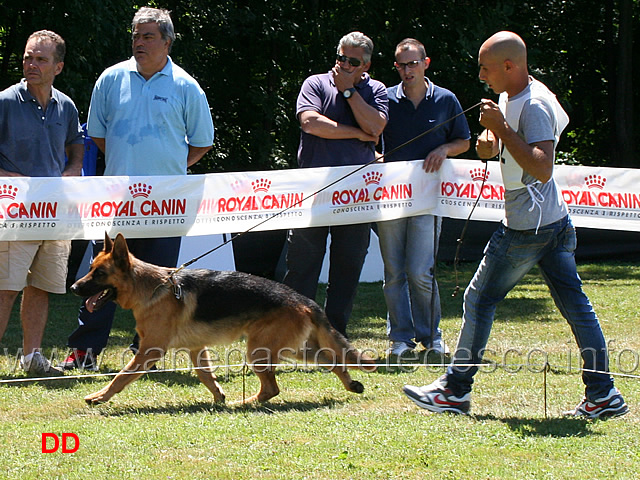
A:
(91, 302)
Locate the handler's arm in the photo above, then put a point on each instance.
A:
(536, 159)
(75, 154)
(319, 125)
(100, 143)
(196, 153)
(434, 159)
(369, 119)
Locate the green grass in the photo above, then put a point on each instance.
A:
(164, 425)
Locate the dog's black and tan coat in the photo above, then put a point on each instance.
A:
(215, 308)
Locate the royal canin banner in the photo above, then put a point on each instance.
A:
(86, 207)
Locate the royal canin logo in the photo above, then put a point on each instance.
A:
(261, 185)
(372, 178)
(479, 174)
(8, 191)
(134, 207)
(140, 190)
(595, 181)
(595, 195)
(471, 189)
(373, 191)
(251, 197)
(17, 210)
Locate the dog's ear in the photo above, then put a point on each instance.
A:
(121, 252)
(108, 244)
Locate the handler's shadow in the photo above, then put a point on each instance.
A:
(558, 427)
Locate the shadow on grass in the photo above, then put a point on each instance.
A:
(268, 408)
(545, 427)
(410, 362)
(51, 383)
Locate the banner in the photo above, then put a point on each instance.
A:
(86, 207)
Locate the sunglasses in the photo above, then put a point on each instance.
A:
(402, 66)
(354, 62)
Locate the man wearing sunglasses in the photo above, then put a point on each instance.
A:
(408, 245)
(342, 114)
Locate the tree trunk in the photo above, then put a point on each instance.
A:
(623, 121)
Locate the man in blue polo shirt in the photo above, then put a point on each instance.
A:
(38, 126)
(408, 245)
(342, 114)
(149, 117)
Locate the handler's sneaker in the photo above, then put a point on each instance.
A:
(611, 405)
(39, 366)
(81, 360)
(437, 397)
(398, 349)
(438, 346)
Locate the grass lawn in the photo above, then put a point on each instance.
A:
(164, 426)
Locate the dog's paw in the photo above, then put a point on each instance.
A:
(95, 399)
(356, 387)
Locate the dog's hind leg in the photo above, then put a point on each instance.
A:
(261, 359)
(336, 351)
(202, 361)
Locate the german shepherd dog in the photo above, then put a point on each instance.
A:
(214, 307)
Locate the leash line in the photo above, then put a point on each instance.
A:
(456, 259)
(281, 212)
(510, 367)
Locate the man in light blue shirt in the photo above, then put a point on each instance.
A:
(148, 126)
(149, 117)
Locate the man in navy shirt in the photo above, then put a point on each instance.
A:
(408, 245)
(342, 114)
(39, 132)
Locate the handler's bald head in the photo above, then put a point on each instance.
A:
(506, 46)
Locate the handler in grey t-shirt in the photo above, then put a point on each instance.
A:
(524, 130)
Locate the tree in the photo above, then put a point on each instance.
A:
(251, 56)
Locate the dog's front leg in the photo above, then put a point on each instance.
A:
(139, 363)
(202, 362)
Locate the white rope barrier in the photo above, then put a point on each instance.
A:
(513, 368)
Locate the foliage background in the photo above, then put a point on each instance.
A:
(251, 56)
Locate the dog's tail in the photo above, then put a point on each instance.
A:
(333, 344)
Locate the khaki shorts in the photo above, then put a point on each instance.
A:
(39, 263)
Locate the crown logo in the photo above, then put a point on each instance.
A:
(140, 190)
(595, 181)
(479, 174)
(236, 186)
(8, 191)
(261, 185)
(372, 178)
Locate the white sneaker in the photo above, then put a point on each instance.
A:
(39, 366)
(437, 397)
(611, 405)
(438, 347)
(398, 348)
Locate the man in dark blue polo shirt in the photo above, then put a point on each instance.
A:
(342, 114)
(38, 126)
(408, 245)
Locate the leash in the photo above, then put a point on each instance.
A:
(172, 280)
(460, 240)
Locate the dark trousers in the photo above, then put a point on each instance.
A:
(94, 328)
(347, 251)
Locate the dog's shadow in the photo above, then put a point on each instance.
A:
(191, 408)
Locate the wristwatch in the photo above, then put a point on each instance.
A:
(348, 92)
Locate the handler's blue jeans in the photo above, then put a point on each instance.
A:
(408, 246)
(508, 256)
